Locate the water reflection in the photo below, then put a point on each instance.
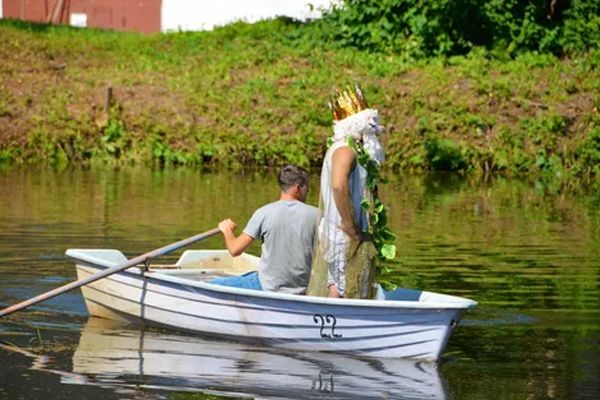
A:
(110, 354)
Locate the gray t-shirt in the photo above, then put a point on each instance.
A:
(287, 230)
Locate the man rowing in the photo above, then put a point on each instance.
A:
(287, 229)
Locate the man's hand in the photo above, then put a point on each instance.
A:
(351, 230)
(333, 291)
(227, 226)
(235, 245)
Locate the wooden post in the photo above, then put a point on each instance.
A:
(108, 95)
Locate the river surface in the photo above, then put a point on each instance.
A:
(529, 255)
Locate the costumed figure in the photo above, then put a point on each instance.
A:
(345, 253)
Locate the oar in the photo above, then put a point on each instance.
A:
(131, 263)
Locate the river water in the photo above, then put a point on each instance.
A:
(528, 254)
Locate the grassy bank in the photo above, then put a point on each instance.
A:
(256, 95)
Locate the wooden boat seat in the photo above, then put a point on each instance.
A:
(203, 265)
(218, 260)
(203, 275)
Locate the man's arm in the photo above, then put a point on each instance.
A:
(344, 162)
(235, 245)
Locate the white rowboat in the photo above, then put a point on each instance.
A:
(400, 324)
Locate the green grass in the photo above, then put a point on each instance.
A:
(256, 94)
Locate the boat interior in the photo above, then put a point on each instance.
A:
(204, 265)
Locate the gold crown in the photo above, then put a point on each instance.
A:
(347, 103)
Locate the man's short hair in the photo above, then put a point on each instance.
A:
(291, 175)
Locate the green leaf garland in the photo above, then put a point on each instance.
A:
(383, 237)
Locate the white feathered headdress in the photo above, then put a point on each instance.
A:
(353, 118)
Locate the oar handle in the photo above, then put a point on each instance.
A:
(109, 271)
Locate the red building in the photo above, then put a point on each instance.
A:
(131, 15)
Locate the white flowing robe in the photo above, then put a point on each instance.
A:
(333, 241)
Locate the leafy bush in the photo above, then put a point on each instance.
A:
(445, 27)
(445, 155)
(588, 154)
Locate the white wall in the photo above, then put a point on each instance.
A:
(203, 14)
(0, 8)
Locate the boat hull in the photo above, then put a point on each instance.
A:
(291, 322)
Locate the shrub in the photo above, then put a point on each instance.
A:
(445, 27)
(445, 155)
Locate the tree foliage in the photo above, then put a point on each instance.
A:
(419, 28)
